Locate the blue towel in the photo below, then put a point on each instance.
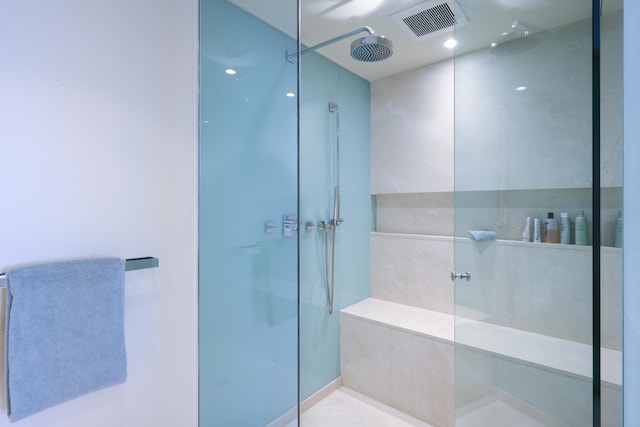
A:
(64, 332)
(481, 235)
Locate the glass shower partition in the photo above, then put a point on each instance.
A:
(523, 154)
(248, 265)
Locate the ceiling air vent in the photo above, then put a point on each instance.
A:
(430, 19)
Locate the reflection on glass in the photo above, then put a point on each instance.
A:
(527, 153)
(432, 147)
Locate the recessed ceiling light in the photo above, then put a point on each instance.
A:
(230, 71)
(451, 43)
(521, 88)
(291, 94)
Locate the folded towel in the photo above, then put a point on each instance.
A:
(481, 235)
(64, 332)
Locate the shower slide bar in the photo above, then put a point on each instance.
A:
(335, 221)
(130, 265)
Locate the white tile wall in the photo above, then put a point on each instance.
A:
(412, 131)
(504, 139)
(528, 165)
(541, 288)
(412, 270)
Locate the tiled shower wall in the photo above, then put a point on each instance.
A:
(525, 292)
(539, 170)
(544, 167)
(509, 164)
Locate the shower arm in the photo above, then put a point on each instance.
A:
(292, 55)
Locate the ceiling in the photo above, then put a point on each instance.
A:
(489, 21)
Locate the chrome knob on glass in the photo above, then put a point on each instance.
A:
(465, 275)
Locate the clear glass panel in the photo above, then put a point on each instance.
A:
(523, 154)
(247, 217)
(522, 109)
(395, 135)
(611, 137)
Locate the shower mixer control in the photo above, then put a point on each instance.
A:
(324, 225)
(290, 225)
(270, 227)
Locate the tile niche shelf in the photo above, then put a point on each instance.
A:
(503, 211)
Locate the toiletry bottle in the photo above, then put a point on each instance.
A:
(565, 228)
(536, 230)
(526, 231)
(618, 239)
(581, 229)
(551, 232)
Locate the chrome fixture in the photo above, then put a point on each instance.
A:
(334, 222)
(130, 264)
(465, 275)
(370, 48)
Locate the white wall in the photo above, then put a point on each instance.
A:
(98, 148)
(631, 210)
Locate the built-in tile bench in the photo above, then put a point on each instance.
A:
(398, 346)
(404, 356)
(401, 356)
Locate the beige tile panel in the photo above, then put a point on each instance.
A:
(412, 270)
(540, 288)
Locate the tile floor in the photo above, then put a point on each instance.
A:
(347, 408)
(495, 413)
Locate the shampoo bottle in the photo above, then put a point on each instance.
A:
(581, 229)
(565, 228)
(618, 240)
(551, 232)
(536, 230)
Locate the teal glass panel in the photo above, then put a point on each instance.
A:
(322, 82)
(248, 252)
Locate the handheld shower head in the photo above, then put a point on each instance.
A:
(372, 49)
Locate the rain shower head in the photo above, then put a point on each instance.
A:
(371, 48)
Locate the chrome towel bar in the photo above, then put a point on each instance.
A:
(130, 265)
